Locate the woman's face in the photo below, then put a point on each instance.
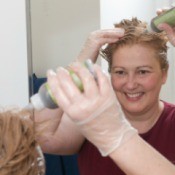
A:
(136, 78)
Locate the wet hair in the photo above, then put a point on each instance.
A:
(20, 153)
(136, 33)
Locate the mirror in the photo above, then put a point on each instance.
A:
(59, 29)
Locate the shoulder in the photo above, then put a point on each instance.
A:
(169, 111)
(169, 106)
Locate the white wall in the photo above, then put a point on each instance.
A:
(13, 53)
(112, 11)
(115, 10)
(59, 29)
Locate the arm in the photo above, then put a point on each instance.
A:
(98, 115)
(136, 157)
(57, 134)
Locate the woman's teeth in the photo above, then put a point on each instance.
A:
(133, 95)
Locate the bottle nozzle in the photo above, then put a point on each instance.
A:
(36, 102)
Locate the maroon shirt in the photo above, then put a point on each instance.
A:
(161, 137)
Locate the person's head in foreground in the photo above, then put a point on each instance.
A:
(138, 66)
(20, 154)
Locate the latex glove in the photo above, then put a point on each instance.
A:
(170, 31)
(96, 111)
(96, 40)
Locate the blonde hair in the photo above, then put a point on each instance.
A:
(19, 151)
(136, 33)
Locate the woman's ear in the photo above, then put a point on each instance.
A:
(164, 75)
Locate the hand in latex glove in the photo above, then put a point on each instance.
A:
(96, 40)
(96, 111)
(170, 31)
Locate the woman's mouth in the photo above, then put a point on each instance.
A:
(134, 96)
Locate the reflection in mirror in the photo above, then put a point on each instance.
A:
(59, 29)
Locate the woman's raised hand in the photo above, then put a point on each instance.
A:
(170, 31)
(96, 40)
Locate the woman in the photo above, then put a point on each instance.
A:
(138, 66)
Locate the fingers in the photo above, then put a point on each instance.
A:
(107, 35)
(110, 33)
(103, 81)
(96, 40)
(63, 88)
(93, 86)
(67, 93)
(162, 10)
(169, 31)
(89, 84)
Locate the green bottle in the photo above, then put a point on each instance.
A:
(166, 17)
(44, 97)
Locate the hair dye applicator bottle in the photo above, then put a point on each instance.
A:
(166, 17)
(45, 99)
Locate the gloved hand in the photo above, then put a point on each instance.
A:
(96, 111)
(96, 40)
(170, 31)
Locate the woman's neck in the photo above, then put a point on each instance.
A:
(143, 122)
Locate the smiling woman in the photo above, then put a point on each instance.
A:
(137, 77)
(137, 83)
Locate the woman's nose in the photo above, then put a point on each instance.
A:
(131, 82)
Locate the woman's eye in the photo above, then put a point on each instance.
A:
(120, 72)
(143, 72)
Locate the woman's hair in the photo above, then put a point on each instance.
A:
(20, 154)
(136, 33)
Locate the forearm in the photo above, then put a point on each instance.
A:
(136, 157)
(63, 143)
(62, 146)
(56, 133)
(47, 120)
(88, 53)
